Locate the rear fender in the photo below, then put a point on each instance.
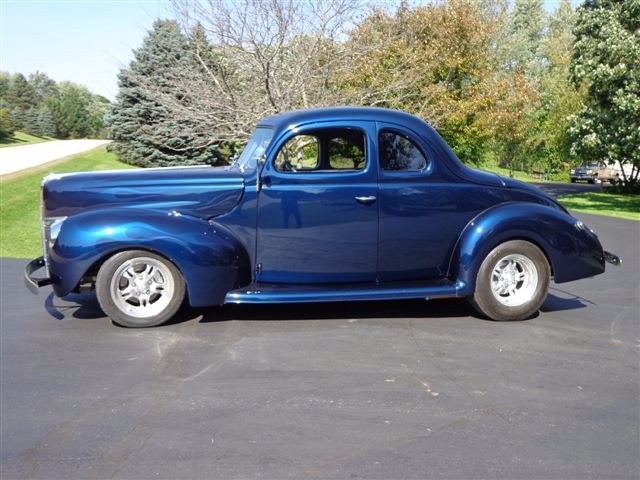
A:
(572, 249)
(209, 257)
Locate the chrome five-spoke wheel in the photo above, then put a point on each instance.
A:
(139, 289)
(512, 281)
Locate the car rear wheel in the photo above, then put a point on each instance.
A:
(139, 289)
(512, 282)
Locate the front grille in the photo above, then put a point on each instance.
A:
(45, 227)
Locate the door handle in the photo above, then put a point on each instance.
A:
(366, 200)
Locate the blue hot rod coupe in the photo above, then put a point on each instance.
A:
(322, 205)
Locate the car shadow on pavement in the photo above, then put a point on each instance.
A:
(560, 300)
(85, 306)
(340, 310)
(76, 305)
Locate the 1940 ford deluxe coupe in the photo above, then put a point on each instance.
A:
(322, 205)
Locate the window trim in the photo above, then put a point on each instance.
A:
(322, 146)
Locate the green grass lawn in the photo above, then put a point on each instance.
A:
(21, 138)
(20, 200)
(517, 174)
(613, 205)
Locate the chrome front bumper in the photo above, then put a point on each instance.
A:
(34, 283)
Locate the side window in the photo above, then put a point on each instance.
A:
(299, 153)
(325, 150)
(347, 153)
(399, 153)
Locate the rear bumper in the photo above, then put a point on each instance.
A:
(612, 259)
(33, 283)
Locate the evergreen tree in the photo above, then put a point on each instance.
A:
(46, 122)
(41, 106)
(31, 124)
(69, 110)
(17, 118)
(5, 84)
(21, 94)
(606, 58)
(146, 130)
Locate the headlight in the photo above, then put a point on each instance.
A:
(54, 230)
(573, 171)
(581, 226)
(50, 231)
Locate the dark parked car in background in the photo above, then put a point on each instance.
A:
(322, 205)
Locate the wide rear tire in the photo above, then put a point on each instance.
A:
(139, 289)
(512, 282)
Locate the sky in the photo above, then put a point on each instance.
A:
(86, 42)
(83, 41)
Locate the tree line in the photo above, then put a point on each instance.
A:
(503, 82)
(41, 106)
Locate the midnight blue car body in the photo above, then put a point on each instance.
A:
(256, 233)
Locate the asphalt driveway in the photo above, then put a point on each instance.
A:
(365, 390)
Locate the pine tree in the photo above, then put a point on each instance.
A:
(146, 130)
(16, 117)
(46, 122)
(31, 124)
(21, 94)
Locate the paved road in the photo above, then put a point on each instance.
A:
(13, 159)
(367, 390)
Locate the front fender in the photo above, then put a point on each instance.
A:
(573, 251)
(209, 257)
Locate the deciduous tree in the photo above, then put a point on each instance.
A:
(606, 57)
(434, 61)
(559, 97)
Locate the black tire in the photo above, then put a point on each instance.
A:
(573, 180)
(139, 289)
(512, 282)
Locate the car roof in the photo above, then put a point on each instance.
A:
(286, 120)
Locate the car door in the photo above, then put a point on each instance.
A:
(421, 210)
(317, 207)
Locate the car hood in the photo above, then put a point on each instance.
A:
(203, 192)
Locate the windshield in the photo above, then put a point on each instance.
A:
(255, 148)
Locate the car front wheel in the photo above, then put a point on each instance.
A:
(512, 282)
(139, 289)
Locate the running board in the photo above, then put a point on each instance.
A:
(263, 293)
